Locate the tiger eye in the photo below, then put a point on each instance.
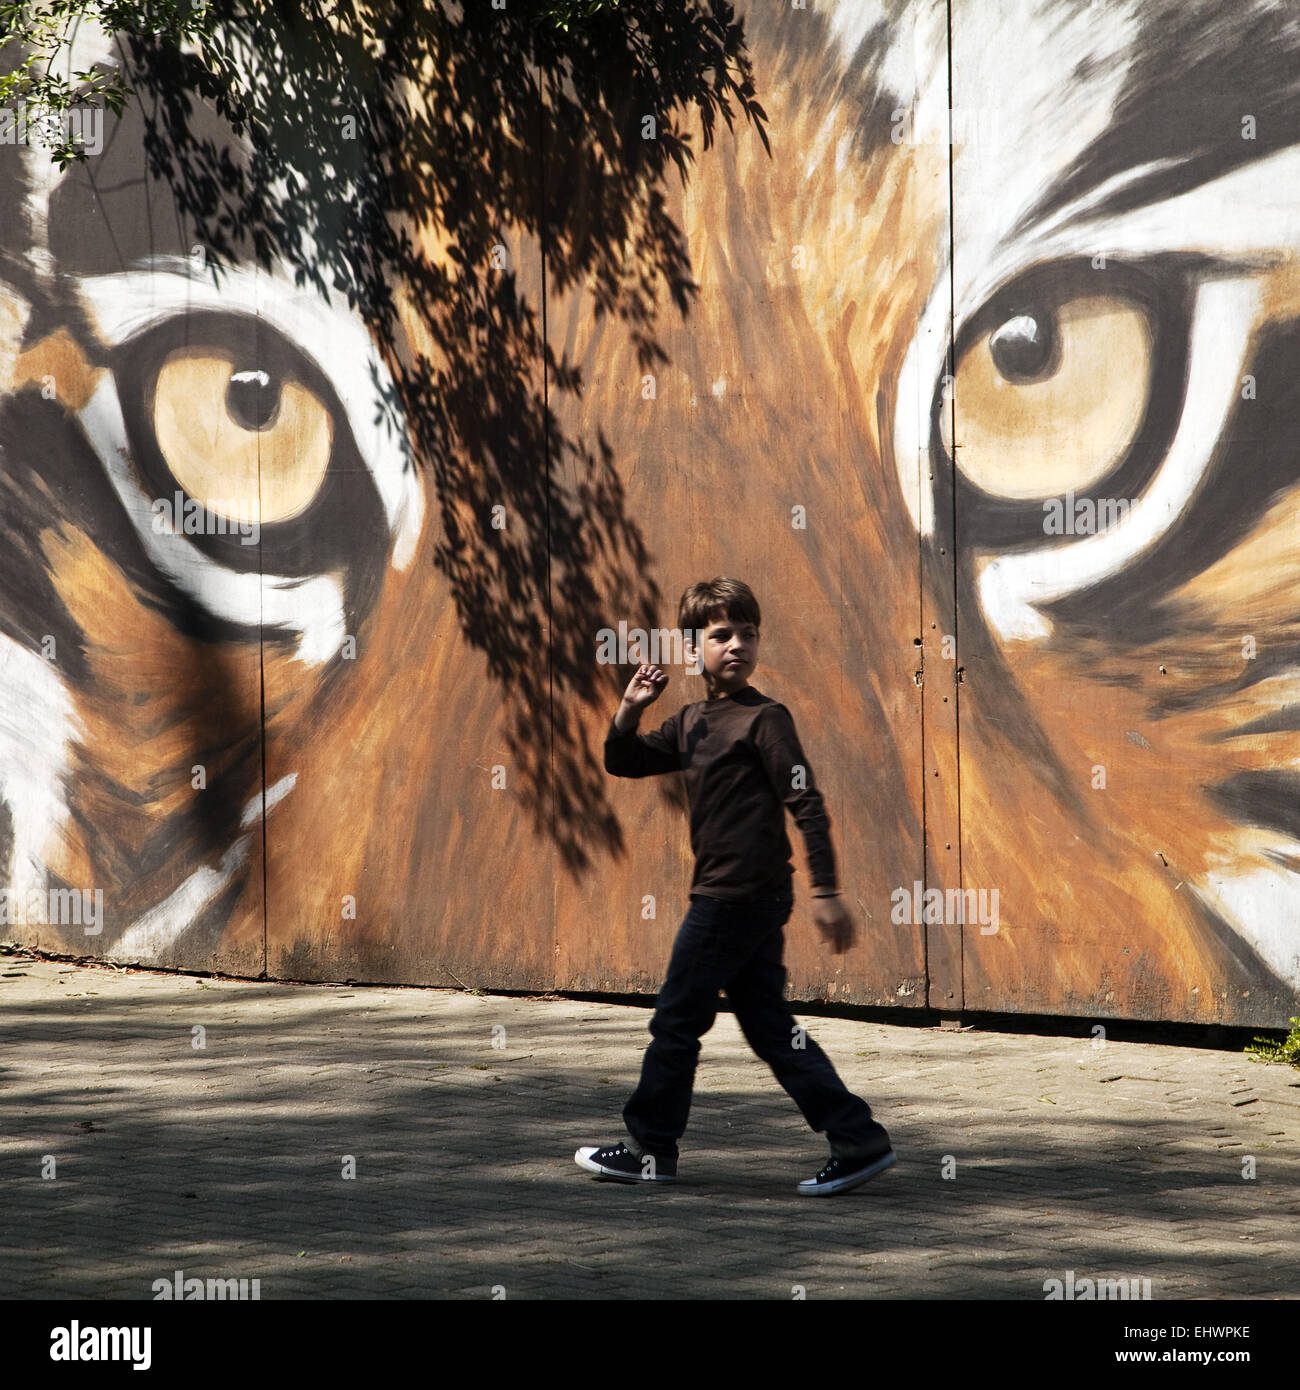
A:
(1052, 400)
(241, 439)
(1023, 347)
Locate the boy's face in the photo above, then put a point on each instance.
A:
(729, 652)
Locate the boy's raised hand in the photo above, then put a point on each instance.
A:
(645, 687)
(834, 923)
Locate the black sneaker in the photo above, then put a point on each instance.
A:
(842, 1173)
(619, 1162)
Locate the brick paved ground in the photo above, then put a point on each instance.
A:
(1123, 1161)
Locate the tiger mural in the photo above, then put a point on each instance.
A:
(983, 390)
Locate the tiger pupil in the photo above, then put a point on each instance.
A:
(253, 398)
(1022, 347)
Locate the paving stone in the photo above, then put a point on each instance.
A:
(227, 1163)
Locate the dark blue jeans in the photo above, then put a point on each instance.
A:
(737, 947)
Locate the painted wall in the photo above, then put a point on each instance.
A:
(992, 409)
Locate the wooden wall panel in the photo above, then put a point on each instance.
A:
(419, 840)
(1126, 731)
(766, 454)
(129, 767)
(1003, 267)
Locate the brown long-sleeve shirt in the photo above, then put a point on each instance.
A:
(742, 759)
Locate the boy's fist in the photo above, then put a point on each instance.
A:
(645, 687)
(834, 923)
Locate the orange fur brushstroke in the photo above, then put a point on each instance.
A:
(58, 359)
(156, 704)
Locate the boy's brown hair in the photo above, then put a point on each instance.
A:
(701, 600)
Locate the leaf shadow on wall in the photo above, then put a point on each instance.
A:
(387, 150)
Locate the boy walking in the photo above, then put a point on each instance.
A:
(743, 766)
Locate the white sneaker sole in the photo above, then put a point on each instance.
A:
(809, 1188)
(583, 1159)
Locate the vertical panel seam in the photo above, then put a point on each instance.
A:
(546, 464)
(952, 406)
